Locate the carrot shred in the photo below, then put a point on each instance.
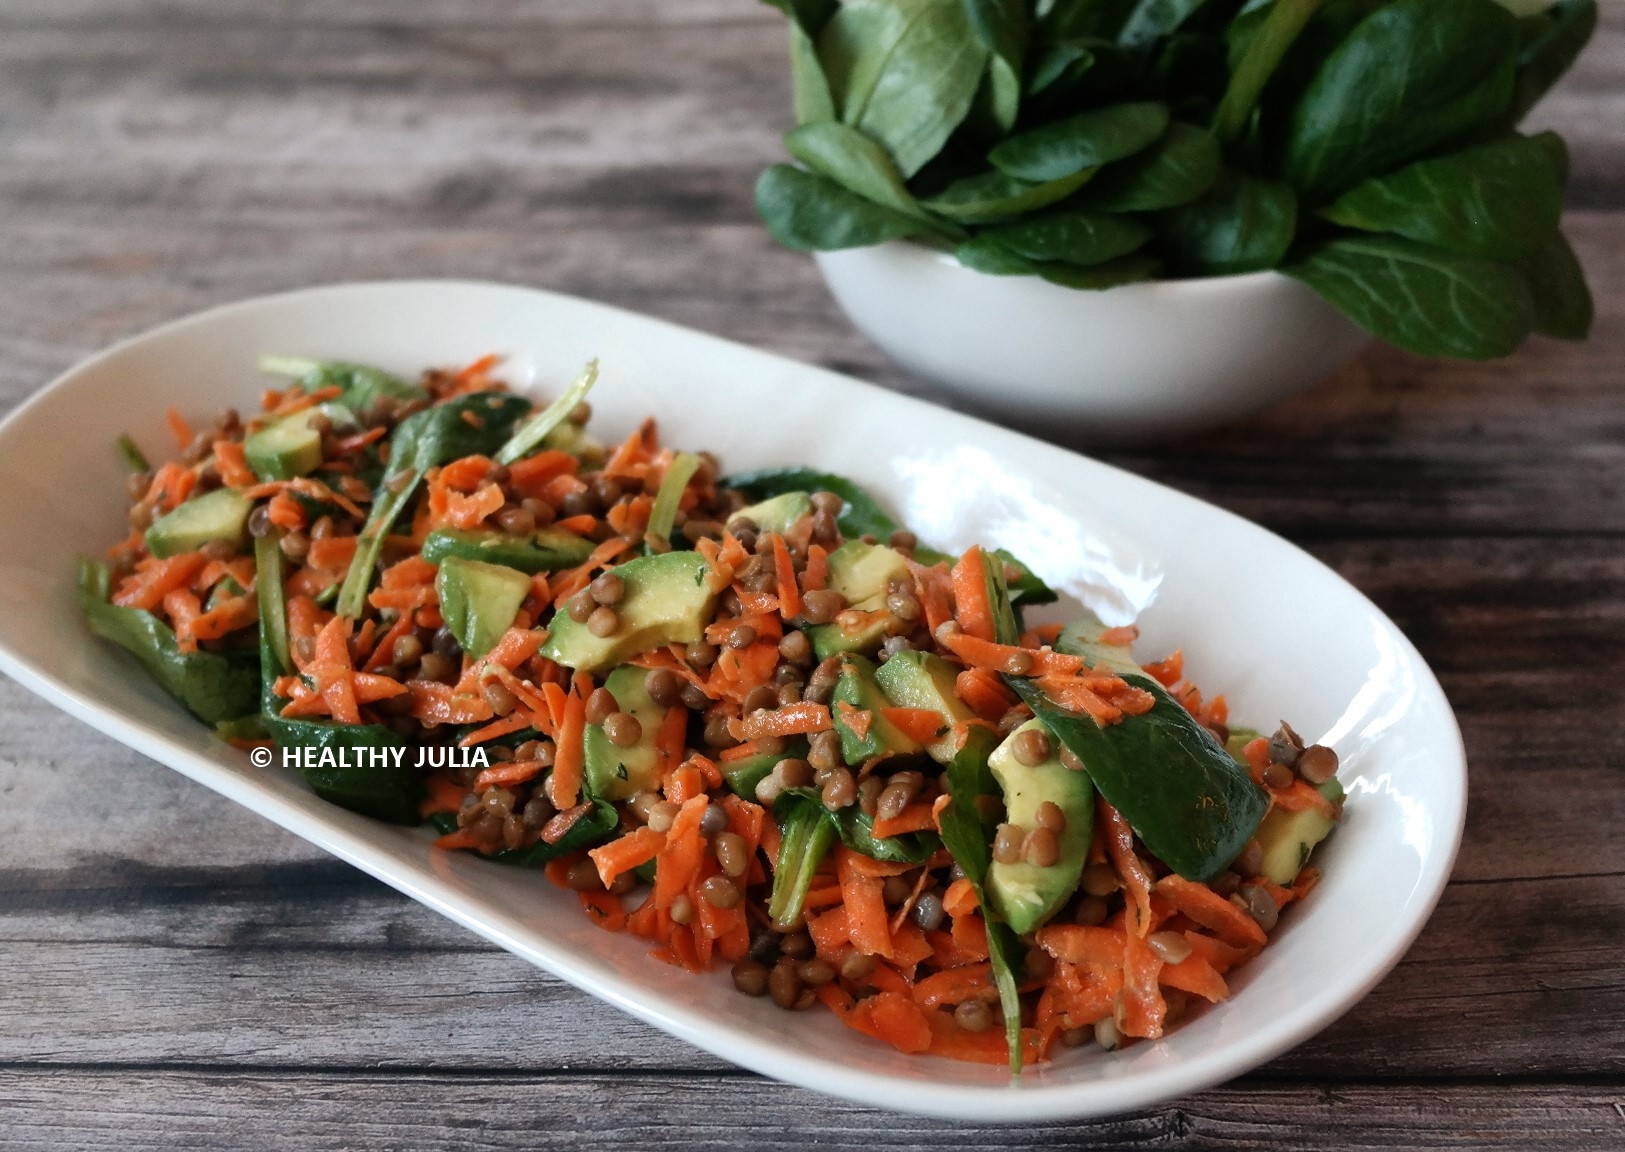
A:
(916, 817)
(1130, 869)
(1212, 911)
(638, 846)
(984, 694)
(565, 784)
(785, 570)
(790, 720)
(1195, 975)
(506, 773)
(979, 653)
(815, 575)
(953, 986)
(856, 719)
(147, 589)
(232, 464)
(865, 906)
(922, 725)
(960, 899)
(180, 429)
(971, 606)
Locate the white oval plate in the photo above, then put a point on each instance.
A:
(1278, 632)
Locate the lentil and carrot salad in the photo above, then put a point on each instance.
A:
(748, 718)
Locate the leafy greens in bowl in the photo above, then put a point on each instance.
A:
(1367, 148)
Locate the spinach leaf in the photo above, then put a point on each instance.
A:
(272, 602)
(862, 516)
(1499, 199)
(1175, 170)
(1066, 147)
(210, 686)
(1075, 18)
(1193, 806)
(856, 829)
(809, 87)
(1069, 236)
(1412, 76)
(808, 15)
(1058, 62)
(1244, 223)
(904, 72)
(1129, 269)
(1549, 42)
(475, 424)
(133, 457)
(1563, 306)
(1006, 627)
(663, 513)
(1151, 20)
(362, 385)
(1422, 299)
(805, 835)
(1001, 26)
(990, 196)
(809, 212)
(1278, 30)
(530, 435)
(859, 165)
(968, 839)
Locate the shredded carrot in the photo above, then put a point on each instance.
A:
(232, 464)
(922, 725)
(815, 575)
(785, 570)
(638, 846)
(984, 694)
(1130, 869)
(1212, 911)
(180, 429)
(865, 906)
(917, 817)
(148, 589)
(856, 719)
(507, 773)
(565, 784)
(790, 720)
(971, 606)
(285, 512)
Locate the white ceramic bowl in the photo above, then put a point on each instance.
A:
(1278, 631)
(1132, 363)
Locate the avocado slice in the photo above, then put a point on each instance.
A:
(742, 776)
(479, 601)
(1025, 894)
(857, 687)
(1289, 837)
(667, 601)
(926, 680)
(613, 772)
(290, 447)
(860, 573)
(547, 551)
(776, 513)
(218, 515)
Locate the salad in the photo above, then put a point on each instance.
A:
(749, 718)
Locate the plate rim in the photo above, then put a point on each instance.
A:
(1012, 1103)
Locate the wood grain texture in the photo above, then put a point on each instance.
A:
(176, 973)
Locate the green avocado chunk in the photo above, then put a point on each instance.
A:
(667, 601)
(290, 447)
(861, 573)
(613, 772)
(545, 551)
(1288, 838)
(925, 680)
(1027, 894)
(776, 513)
(857, 688)
(479, 601)
(218, 515)
(743, 776)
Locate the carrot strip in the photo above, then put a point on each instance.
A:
(857, 719)
(816, 573)
(332, 553)
(624, 854)
(180, 429)
(971, 606)
(790, 720)
(506, 773)
(984, 694)
(148, 589)
(1081, 944)
(232, 464)
(565, 784)
(503, 726)
(785, 570)
(960, 899)
(954, 986)
(1130, 869)
(922, 725)
(900, 1022)
(680, 857)
(1143, 1006)
(1212, 911)
(979, 653)
(1195, 975)
(916, 817)
(865, 906)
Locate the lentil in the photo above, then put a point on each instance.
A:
(1171, 946)
(607, 588)
(974, 1016)
(721, 892)
(622, 729)
(604, 622)
(750, 977)
(732, 854)
(1318, 764)
(600, 704)
(1031, 747)
(1007, 843)
(664, 687)
(784, 985)
(1042, 848)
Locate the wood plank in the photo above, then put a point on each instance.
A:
(174, 1110)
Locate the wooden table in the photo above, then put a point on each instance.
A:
(177, 973)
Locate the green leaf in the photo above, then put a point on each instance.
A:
(810, 95)
(272, 598)
(133, 457)
(1176, 170)
(1242, 224)
(990, 196)
(1066, 147)
(1132, 269)
(1499, 199)
(1422, 299)
(1151, 20)
(663, 513)
(903, 72)
(855, 162)
(474, 424)
(362, 385)
(808, 15)
(1001, 26)
(1278, 30)
(530, 435)
(1193, 806)
(1410, 77)
(1549, 42)
(968, 840)
(1070, 236)
(1006, 628)
(1563, 306)
(210, 686)
(1057, 62)
(805, 835)
(809, 212)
